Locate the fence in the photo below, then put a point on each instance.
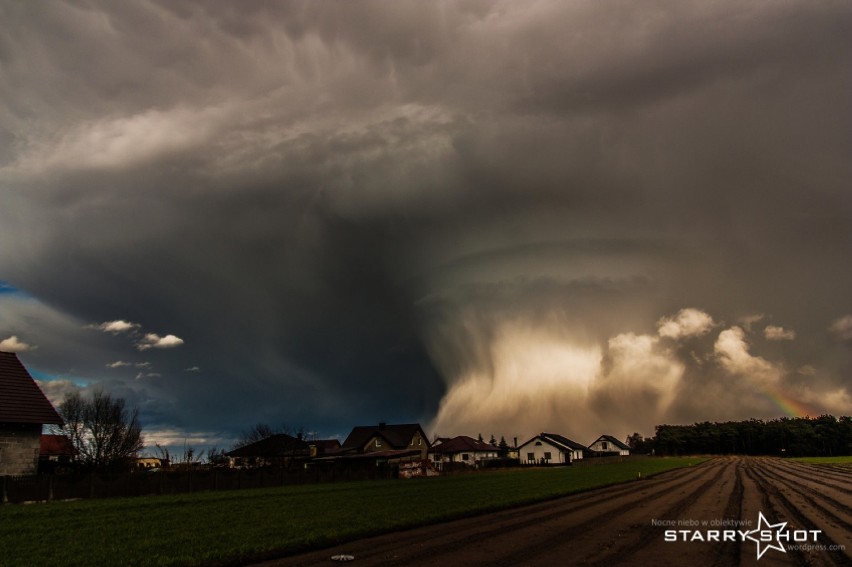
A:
(40, 488)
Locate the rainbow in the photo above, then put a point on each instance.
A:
(792, 407)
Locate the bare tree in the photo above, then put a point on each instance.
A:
(253, 434)
(261, 431)
(105, 433)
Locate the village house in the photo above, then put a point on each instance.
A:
(402, 448)
(279, 449)
(609, 445)
(24, 409)
(550, 449)
(384, 438)
(461, 450)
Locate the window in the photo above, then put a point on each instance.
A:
(547, 455)
(604, 446)
(378, 442)
(465, 457)
(531, 457)
(538, 443)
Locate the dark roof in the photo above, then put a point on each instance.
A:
(559, 441)
(614, 441)
(21, 400)
(397, 436)
(56, 445)
(325, 444)
(274, 446)
(461, 444)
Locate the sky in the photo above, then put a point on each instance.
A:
(486, 217)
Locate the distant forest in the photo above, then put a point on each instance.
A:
(823, 436)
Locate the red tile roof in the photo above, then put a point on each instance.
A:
(56, 445)
(21, 400)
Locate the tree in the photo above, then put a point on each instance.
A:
(105, 433)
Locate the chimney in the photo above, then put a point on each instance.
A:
(382, 425)
(516, 442)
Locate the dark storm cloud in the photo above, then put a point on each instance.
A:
(359, 211)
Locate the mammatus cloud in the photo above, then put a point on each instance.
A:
(774, 333)
(687, 323)
(153, 340)
(13, 344)
(842, 328)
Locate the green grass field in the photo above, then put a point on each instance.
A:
(214, 527)
(847, 460)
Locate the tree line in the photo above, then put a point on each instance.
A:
(822, 436)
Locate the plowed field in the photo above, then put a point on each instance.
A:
(710, 512)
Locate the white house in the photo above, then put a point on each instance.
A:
(550, 448)
(611, 445)
(462, 449)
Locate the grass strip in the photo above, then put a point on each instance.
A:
(233, 526)
(845, 460)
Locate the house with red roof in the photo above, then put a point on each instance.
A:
(56, 452)
(24, 409)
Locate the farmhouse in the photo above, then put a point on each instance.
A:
(462, 450)
(609, 445)
(23, 411)
(550, 448)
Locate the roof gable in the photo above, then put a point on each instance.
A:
(614, 441)
(558, 441)
(21, 400)
(564, 441)
(397, 436)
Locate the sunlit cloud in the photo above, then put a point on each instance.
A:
(153, 340)
(13, 344)
(115, 327)
(732, 352)
(688, 322)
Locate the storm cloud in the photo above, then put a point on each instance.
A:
(488, 217)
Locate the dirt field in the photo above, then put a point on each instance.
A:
(628, 524)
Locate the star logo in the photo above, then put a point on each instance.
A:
(762, 545)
